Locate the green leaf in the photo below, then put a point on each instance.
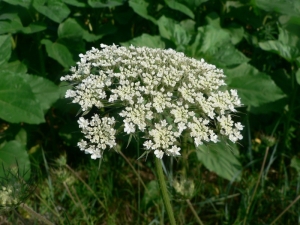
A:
(255, 88)
(17, 101)
(106, 3)
(180, 7)
(236, 34)
(281, 6)
(287, 46)
(59, 52)
(5, 48)
(214, 44)
(147, 41)
(288, 52)
(34, 28)
(55, 10)
(192, 4)
(23, 3)
(221, 158)
(75, 3)
(14, 67)
(140, 7)
(174, 32)
(70, 29)
(45, 91)
(14, 157)
(11, 23)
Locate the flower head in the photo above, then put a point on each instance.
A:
(161, 93)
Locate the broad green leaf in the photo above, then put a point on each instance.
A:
(192, 4)
(188, 25)
(71, 29)
(173, 4)
(227, 55)
(55, 10)
(288, 52)
(214, 44)
(14, 157)
(45, 91)
(174, 32)
(236, 34)
(276, 106)
(220, 158)
(5, 48)
(140, 7)
(255, 88)
(75, 3)
(34, 28)
(288, 38)
(295, 163)
(298, 76)
(287, 46)
(23, 3)
(147, 41)
(17, 101)
(107, 3)
(11, 23)
(14, 67)
(281, 6)
(10, 26)
(59, 52)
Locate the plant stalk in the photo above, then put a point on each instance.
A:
(164, 191)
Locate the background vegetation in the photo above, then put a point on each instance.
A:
(255, 42)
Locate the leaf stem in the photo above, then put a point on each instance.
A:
(164, 191)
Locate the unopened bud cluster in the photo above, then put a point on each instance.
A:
(161, 93)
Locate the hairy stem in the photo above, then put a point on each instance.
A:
(164, 191)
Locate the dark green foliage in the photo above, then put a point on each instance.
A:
(256, 43)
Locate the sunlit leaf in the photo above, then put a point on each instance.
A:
(173, 31)
(59, 52)
(173, 4)
(55, 10)
(75, 3)
(255, 88)
(107, 3)
(23, 3)
(220, 158)
(5, 48)
(45, 91)
(14, 158)
(15, 67)
(140, 7)
(147, 41)
(17, 101)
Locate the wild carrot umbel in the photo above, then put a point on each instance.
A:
(161, 93)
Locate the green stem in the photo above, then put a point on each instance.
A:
(164, 191)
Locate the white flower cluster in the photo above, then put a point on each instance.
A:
(6, 196)
(161, 93)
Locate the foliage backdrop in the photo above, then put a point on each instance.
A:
(255, 42)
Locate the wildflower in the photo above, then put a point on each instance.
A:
(161, 93)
